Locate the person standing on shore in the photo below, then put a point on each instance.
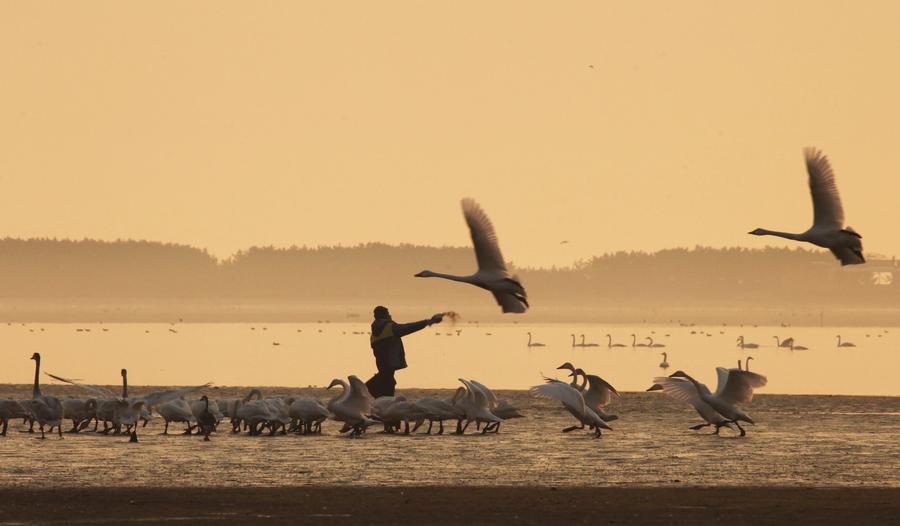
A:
(387, 346)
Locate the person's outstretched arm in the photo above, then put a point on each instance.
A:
(402, 329)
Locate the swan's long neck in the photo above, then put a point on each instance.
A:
(206, 407)
(573, 340)
(839, 340)
(582, 339)
(529, 338)
(124, 383)
(633, 340)
(251, 394)
(747, 363)
(583, 381)
(340, 396)
(451, 277)
(609, 340)
(739, 365)
(786, 235)
(665, 357)
(36, 390)
(651, 341)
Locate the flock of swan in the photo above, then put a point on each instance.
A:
(356, 410)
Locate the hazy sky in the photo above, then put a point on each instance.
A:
(615, 125)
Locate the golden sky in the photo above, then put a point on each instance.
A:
(615, 125)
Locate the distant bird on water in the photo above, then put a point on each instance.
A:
(828, 230)
(844, 344)
(665, 363)
(492, 274)
(746, 345)
(534, 344)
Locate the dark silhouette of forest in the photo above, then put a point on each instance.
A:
(50, 269)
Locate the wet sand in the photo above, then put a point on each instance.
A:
(449, 505)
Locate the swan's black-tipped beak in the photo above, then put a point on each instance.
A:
(420, 275)
(655, 387)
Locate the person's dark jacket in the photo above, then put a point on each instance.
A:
(387, 343)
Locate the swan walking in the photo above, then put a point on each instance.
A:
(440, 410)
(492, 274)
(573, 401)
(475, 406)
(734, 387)
(177, 411)
(46, 410)
(828, 230)
(309, 413)
(746, 345)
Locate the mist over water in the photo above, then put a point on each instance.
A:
(311, 354)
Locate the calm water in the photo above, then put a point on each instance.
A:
(799, 440)
(313, 354)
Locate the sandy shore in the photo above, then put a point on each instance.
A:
(449, 505)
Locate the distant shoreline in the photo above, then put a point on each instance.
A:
(127, 310)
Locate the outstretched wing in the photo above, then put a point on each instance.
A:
(564, 393)
(680, 389)
(487, 249)
(95, 390)
(848, 256)
(509, 302)
(359, 396)
(736, 387)
(604, 391)
(827, 209)
(160, 397)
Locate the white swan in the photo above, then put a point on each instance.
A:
(573, 401)
(534, 344)
(685, 391)
(583, 344)
(828, 230)
(476, 406)
(46, 410)
(177, 411)
(634, 342)
(733, 387)
(352, 405)
(502, 409)
(746, 345)
(597, 393)
(80, 411)
(440, 410)
(610, 343)
(786, 343)
(844, 344)
(310, 413)
(10, 410)
(665, 363)
(492, 274)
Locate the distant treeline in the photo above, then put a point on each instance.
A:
(51, 269)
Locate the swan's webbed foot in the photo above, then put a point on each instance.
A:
(700, 426)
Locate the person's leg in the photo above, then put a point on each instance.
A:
(389, 382)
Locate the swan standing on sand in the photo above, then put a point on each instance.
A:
(597, 393)
(476, 406)
(47, 410)
(177, 411)
(206, 420)
(352, 405)
(828, 230)
(665, 363)
(10, 410)
(844, 344)
(534, 344)
(610, 343)
(492, 274)
(746, 345)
